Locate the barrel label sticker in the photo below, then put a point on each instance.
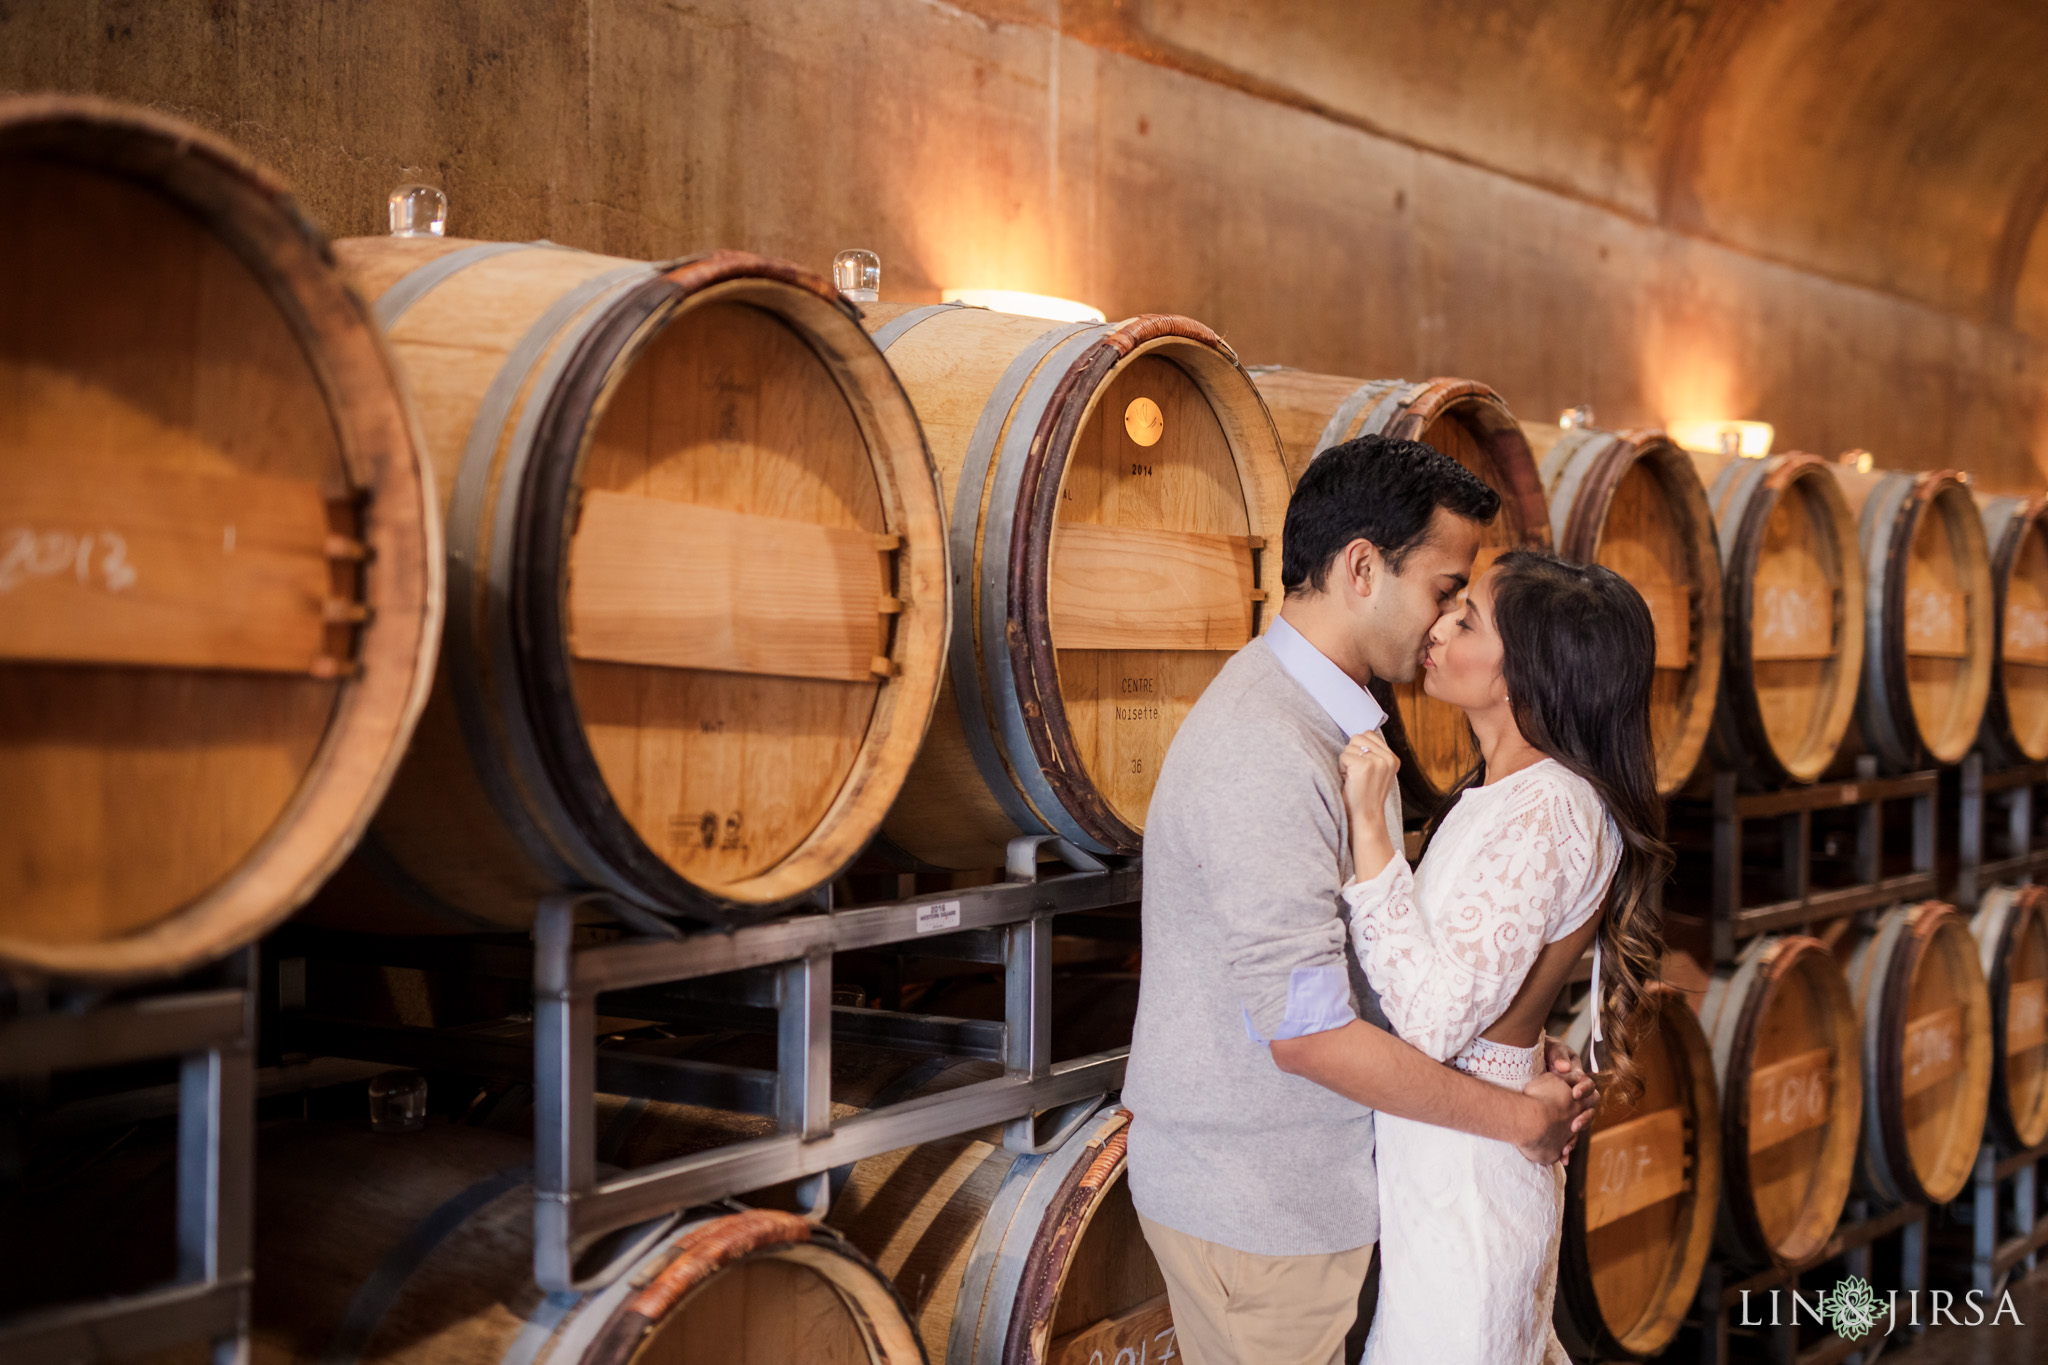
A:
(937, 916)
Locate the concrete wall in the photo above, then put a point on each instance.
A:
(1370, 190)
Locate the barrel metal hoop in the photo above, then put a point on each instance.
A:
(1575, 522)
(891, 332)
(1880, 531)
(995, 1267)
(540, 1326)
(417, 284)
(376, 1295)
(975, 725)
(1390, 408)
(468, 618)
(1886, 1140)
(1752, 984)
(1000, 587)
(1737, 501)
(1347, 412)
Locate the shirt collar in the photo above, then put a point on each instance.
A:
(1349, 705)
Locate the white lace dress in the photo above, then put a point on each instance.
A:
(1468, 1226)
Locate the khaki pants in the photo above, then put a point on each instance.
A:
(1239, 1308)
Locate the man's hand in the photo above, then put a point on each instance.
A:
(1561, 1109)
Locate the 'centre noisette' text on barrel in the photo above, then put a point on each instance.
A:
(1632, 501)
(697, 593)
(1926, 1023)
(220, 559)
(1785, 1042)
(1640, 1196)
(1466, 421)
(1792, 588)
(2016, 716)
(1116, 499)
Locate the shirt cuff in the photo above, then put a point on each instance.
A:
(1318, 1000)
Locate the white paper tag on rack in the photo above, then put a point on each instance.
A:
(938, 915)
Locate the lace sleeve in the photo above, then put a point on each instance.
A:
(1445, 977)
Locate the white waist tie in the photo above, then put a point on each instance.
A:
(1592, 1060)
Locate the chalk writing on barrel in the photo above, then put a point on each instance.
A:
(1789, 614)
(26, 553)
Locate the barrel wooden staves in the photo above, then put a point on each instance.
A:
(1926, 1025)
(697, 601)
(1632, 501)
(418, 1248)
(1117, 497)
(1640, 1197)
(2011, 927)
(1792, 589)
(2016, 716)
(220, 564)
(1466, 421)
(1928, 641)
(1014, 1260)
(1787, 1061)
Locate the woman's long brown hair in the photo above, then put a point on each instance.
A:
(1578, 652)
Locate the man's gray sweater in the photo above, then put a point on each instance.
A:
(1246, 847)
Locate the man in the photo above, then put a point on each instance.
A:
(1252, 1077)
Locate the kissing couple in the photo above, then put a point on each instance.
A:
(1334, 1049)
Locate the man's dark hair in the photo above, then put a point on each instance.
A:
(1379, 489)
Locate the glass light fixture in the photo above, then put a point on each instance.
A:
(1750, 440)
(1030, 305)
(857, 275)
(1862, 461)
(1573, 418)
(418, 211)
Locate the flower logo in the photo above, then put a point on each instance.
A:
(1851, 1307)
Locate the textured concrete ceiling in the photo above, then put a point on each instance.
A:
(1898, 144)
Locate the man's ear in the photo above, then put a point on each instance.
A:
(1360, 561)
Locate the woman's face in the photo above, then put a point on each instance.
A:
(1462, 663)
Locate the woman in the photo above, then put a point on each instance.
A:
(1551, 662)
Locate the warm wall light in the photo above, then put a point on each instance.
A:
(1573, 418)
(1030, 305)
(1751, 440)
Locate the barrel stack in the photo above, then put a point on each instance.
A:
(1633, 501)
(1786, 1056)
(1925, 1019)
(1468, 422)
(698, 592)
(2011, 928)
(1116, 498)
(1640, 1199)
(2016, 713)
(220, 558)
(1792, 588)
(1929, 650)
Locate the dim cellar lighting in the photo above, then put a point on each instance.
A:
(1573, 418)
(1861, 460)
(418, 211)
(1750, 440)
(857, 275)
(1030, 305)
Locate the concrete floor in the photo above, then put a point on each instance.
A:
(1988, 1345)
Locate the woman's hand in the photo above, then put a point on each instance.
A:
(1369, 772)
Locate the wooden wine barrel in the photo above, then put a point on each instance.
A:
(1786, 1057)
(2016, 716)
(1466, 421)
(418, 1248)
(697, 602)
(1633, 501)
(2011, 927)
(220, 563)
(1117, 500)
(1928, 640)
(1640, 1197)
(1926, 1025)
(1792, 587)
(1035, 1260)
